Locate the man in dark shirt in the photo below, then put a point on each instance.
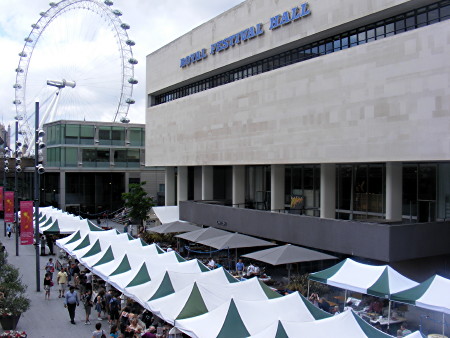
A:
(324, 305)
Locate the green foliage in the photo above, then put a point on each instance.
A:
(138, 202)
(153, 237)
(300, 283)
(12, 290)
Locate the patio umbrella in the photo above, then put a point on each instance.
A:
(202, 234)
(287, 254)
(234, 241)
(177, 226)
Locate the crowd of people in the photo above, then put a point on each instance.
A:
(125, 318)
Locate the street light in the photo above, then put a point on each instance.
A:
(18, 169)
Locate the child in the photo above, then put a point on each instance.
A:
(98, 307)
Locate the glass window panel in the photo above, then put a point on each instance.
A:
(133, 158)
(353, 39)
(410, 21)
(322, 49)
(344, 42)
(400, 24)
(315, 51)
(136, 137)
(102, 157)
(433, 16)
(87, 134)
(104, 135)
(120, 158)
(72, 134)
(445, 12)
(380, 32)
(118, 136)
(371, 34)
(71, 157)
(329, 47)
(89, 157)
(390, 29)
(361, 38)
(421, 20)
(337, 44)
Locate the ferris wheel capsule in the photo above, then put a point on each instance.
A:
(28, 39)
(35, 26)
(130, 42)
(53, 4)
(124, 120)
(17, 86)
(130, 101)
(19, 70)
(17, 102)
(133, 61)
(125, 26)
(23, 54)
(43, 14)
(132, 80)
(109, 3)
(116, 12)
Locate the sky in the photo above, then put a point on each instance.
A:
(79, 46)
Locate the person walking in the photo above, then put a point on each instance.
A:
(43, 242)
(240, 268)
(8, 230)
(50, 267)
(48, 283)
(71, 301)
(86, 298)
(61, 279)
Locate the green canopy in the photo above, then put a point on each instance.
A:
(84, 243)
(141, 277)
(233, 326)
(107, 257)
(165, 288)
(124, 266)
(54, 229)
(195, 305)
(75, 238)
(95, 249)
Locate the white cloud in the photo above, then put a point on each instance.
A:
(93, 64)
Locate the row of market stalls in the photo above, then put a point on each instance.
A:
(211, 303)
(384, 282)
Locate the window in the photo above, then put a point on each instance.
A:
(136, 137)
(71, 157)
(133, 158)
(118, 136)
(72, 134)
(104, 135)
(120, 158)
(87, 134)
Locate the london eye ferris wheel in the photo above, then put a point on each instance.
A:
(78, 62)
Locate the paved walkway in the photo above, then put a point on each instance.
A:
(45, 318)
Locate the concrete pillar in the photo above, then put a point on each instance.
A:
(62, 190)
(328, 190)
(170, 186)
(127, 182)
(207, 183)
(238, 188)
(394, 179)
(277, 174)
(182, 184)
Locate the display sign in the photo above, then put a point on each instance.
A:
(276, 21)
(9, 206)
(26, 223)
(1, 199)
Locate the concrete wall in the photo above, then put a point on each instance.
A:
(382, 242)
(384, 101)
(163, 65)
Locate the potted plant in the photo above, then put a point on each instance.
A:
(13, 301)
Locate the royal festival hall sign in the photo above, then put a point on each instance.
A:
(249, 33)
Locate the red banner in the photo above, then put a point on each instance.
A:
(1, 198)
(9, 206)
(26, 223)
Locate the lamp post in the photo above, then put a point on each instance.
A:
(16, 206)
(36, 194)
(4, 175)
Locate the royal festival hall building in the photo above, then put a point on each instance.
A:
(323, 124)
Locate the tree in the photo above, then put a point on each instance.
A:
(138, 201)
(13, 300)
